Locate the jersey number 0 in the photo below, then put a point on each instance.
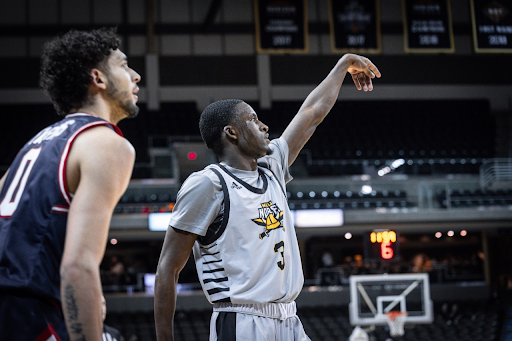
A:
(13, 195)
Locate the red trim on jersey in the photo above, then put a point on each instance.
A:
(65, 153)
(52, 302)
(47, 334)
(117, 130)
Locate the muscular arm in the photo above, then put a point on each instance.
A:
(175, 253)
(320, 101)
(98, 171)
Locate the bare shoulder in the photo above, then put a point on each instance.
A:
(103, 140)
(99, 152)
(103, 144)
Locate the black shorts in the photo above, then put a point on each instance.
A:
(29, 318)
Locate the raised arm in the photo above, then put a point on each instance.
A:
(175, 253)
(320, 101)
(99, 168)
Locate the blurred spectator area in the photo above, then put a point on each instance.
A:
(433, 137)
(379, 139)
(452, 321)
(357, 137)
(352, 194)
(460, 198)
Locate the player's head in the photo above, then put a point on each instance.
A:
(213, 120)
(234, 122)
(67, 62)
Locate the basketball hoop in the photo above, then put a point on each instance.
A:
(396, 321)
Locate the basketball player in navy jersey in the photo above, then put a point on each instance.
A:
(234, 216)
(58, 195)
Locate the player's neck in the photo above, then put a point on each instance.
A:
(239, 162)
(99, 109)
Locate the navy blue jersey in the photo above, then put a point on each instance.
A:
(34, 205)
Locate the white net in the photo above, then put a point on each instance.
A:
(396, 321)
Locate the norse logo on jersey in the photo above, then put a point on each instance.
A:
(270, 217)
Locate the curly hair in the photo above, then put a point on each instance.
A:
(213, 120)
(67, 61)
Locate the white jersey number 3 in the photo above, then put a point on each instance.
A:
(13, 195)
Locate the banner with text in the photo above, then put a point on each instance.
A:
(427, 26)
(492, 25)
(281, 26)
(355, 26)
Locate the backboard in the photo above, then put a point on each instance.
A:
(372, 296)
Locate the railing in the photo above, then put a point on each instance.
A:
(494, 170)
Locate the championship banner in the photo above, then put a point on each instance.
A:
(492, 25)
(281, 26)
(428, 26)
(355, 26)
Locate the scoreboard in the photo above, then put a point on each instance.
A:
(382, 245)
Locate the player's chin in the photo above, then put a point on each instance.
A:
(264, 152)
(132, 111)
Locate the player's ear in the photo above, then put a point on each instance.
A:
(230, 131)
(98, 78)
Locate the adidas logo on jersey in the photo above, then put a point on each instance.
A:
(234, 185)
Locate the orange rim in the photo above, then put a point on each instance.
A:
(394, 314)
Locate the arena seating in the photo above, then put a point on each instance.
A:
(348, 200)
(433, 137)
(506, 330)
(452, 321)
(146, 202)
(460, 198)
(149, 202)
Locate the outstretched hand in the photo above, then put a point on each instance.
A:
(362, 71)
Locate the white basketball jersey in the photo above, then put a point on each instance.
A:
(252, 255)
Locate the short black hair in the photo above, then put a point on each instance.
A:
(213, 120)
(67, 61)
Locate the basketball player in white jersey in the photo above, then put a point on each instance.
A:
(234, 216)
